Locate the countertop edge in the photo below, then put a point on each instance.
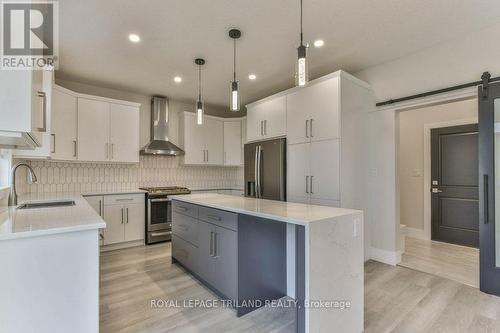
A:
(54, 231)
(263, 215)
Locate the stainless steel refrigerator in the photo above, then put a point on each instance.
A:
(265, 170)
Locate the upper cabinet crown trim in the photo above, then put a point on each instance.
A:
(96, 98)
(339, 74)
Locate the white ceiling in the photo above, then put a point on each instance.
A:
(94, 45)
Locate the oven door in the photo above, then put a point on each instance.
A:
(159, 214)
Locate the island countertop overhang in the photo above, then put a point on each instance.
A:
(288, 212)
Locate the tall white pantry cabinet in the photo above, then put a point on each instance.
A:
(326, 128)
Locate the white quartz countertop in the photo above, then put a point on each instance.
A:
(275, 210)
(21, 223)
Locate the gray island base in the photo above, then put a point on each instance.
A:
(252, 251)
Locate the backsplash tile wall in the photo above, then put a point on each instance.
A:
(151, 171)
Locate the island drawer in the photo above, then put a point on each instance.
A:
(185, 208)
(220, 218)
(185, 227)
(184, 252)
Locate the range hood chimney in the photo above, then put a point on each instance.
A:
(160, 144)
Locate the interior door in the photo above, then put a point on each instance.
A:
(455, 191)
(93, 130)
(124, 133)
(489, 180)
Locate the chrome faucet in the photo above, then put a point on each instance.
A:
(31, 180)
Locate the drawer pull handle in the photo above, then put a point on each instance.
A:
(214, 217)
(184, 227)
(156, 234)
(184, 209)
(125, 199)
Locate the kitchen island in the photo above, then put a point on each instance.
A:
(49, 260)
(253, 251)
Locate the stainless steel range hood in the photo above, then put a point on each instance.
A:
(160, 143)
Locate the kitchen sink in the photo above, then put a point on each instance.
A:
(46, 204)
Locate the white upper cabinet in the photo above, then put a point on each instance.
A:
(43, 82)
(266, 119)
(313, 112)
(93, 130)
(108, 130)
(24, 109)
(204, 144)
(193, 139)
(124, 141)
(212, 131)
(64, 124)
(232, 143)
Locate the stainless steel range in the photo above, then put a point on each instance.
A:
(159, 212)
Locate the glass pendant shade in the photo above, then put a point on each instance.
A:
(235, 97)
(301, 70)
(200, 112)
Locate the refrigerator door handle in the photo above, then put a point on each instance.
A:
(259, 172)
(256, 171)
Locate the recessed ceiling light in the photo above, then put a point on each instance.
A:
(319, 43)
(178, 79)
(252, 77)
(134, 38)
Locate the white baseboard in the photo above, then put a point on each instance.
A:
(415, 233)
(384, 256)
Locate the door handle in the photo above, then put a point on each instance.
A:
(75, 148)
(265, 127)
(127, 215)
(486, 199)
(53, 143)
(311, 128)
(311, 186)
(307, 128)
(44, 111)
(207, 156)
(214, 217)
(261, 128)
(122, 215)
(100, 209)
(307, 184)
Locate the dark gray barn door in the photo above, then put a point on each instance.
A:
(489, 171)
(455, 188)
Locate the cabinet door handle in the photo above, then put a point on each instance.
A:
(207, 155)
(261, 128)
(127, 215)
(211, 244)
(214, 217)
(122, 215)
(265, 127)
(307, 184)
(307, 128)
(486, 199)
(215, 245)
(100, 209)
(53, 143)
(75, 148)
(44, 111)
(311, 128)
(311, 186)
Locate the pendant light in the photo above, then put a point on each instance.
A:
(234, 103)
(200, 108)
(301, 70)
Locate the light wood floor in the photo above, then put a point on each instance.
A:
(397, 299)
(458, 263)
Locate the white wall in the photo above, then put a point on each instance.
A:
(411, 153)
(458, 61)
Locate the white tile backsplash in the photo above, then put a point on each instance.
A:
(151, 171)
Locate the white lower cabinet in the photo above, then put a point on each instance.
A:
(124, 215)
